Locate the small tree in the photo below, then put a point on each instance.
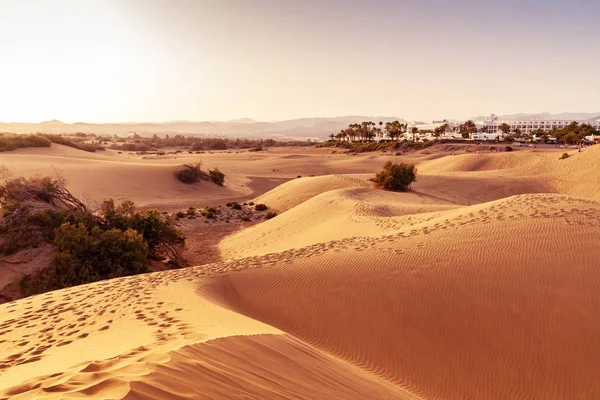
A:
(397, 177)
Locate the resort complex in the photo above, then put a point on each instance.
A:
(490, 128)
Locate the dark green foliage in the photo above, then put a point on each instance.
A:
(245, 218)
(115, 241)
(396, 176)
(180, 214)
(251, 203)
(574, 133)
(236, 206)
(212, 209)
(216, 176)
(229, 204)
(210, 215)
(260, 207)
(158, 232)
(32, 209)
(270, 214)
(84, 256)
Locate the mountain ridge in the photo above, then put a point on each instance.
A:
(299, 128)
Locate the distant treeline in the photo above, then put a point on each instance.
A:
(192, 143)
(92, 142)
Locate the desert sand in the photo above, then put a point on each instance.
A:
(480, 283)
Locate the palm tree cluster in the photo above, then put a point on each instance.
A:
(367, 131)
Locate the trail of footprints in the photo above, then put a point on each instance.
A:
(108, 300)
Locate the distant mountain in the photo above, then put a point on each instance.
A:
(301, 128)
(544, 116)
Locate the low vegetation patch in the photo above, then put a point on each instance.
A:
(564, 155)
(13, 142)
(89, 245)
(216, 176)
(270, 214)
(190, 173)
(193, 173)
(397, 177)
(260, 207)
(364, 147)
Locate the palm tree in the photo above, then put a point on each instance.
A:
(468, 128)
(414, 130)
(505, 128)
(331, 136)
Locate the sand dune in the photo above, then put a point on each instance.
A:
(360, 211)
(490, 301)
(473, 286)
(297, 191)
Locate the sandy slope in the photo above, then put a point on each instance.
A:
(459, 290)
(490, 301)
(154, 336)
(336, 214)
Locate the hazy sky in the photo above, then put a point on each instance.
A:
(159, 60)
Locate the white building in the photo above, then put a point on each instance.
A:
(492, 124)
(426, 129)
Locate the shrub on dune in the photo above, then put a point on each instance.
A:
(260, 207)
(115, 240)
(190, 173)
(397, 177)
(216, 176)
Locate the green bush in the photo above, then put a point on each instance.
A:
(236, 206)
(115, 241)
(216, 176)
(210, 215)
(191, 173)
(251, 203)
(84, 256)
(396, 176)
(229, 204)
(212, 209)
(180, 214)
(245, 218)
(270, 214)
(260, 207)
(564, 155)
